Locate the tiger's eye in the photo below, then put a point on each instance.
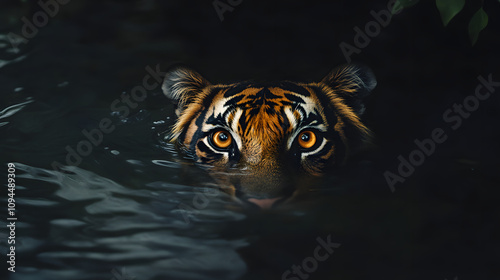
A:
(307, 139)
(222, 139)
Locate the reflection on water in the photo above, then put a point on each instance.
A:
(11, 110)
(86, 225)
(136, 209)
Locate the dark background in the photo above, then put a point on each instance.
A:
(440, 223)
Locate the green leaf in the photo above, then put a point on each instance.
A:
(477, 23)
(399, 5)
(449, 9)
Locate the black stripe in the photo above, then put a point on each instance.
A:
(207, 101)
(284, 121)
(209, 98)
(205, 149)
(302, 112)
(227, 112)
(243, 122)
(237, 89)
(199, 132)
(219, 120)
(294, 88)
(313, 116)
(233, 101)
(294, 98)
(330, 112)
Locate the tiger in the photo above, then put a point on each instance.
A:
(264, 141)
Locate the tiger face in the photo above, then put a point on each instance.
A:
(263, 142)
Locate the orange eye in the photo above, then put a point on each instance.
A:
(222, 139)
(307, 139)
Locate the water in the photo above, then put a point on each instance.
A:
(100, 195)
(126, 206)
(131, 206)
(98, 226)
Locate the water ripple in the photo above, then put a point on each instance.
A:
(11, 110)
(99, 223)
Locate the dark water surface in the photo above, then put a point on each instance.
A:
(131, 207)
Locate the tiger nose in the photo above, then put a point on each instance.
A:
(264, 203)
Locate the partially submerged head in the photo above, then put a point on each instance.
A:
(264, 141)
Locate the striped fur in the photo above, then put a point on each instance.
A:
(264, 121)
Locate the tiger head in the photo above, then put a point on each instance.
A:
(263, 141)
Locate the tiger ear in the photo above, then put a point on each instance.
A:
(352, 83)
(182, 85)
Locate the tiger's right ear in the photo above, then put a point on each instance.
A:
(182, 85)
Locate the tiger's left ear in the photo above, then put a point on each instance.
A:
(182, 85)
(352, 83)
